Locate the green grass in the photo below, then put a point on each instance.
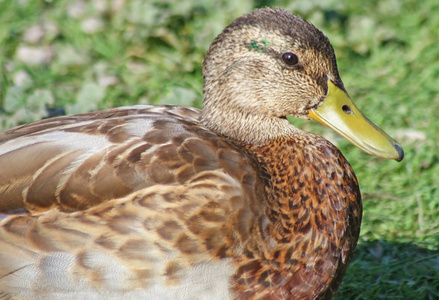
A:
(151, 51)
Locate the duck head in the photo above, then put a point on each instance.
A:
(270, 64)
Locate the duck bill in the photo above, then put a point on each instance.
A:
(339, 113)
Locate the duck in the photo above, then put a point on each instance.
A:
(171, 202)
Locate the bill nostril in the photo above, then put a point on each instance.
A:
(346, 109)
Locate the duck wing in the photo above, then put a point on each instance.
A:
(77, 162)
(132, 198)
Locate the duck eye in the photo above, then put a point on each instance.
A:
(290, 59)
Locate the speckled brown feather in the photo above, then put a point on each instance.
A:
(95, 172)
(184, 190)
(170, 202)
(317, 215)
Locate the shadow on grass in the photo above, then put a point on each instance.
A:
(383, 270)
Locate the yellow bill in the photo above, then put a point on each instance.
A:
(339, 113)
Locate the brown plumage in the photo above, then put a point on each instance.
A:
(171, 202)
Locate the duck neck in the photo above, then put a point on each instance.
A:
(252, 127)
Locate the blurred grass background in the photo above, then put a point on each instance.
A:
(76, 56)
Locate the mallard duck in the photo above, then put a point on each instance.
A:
(172, 202)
